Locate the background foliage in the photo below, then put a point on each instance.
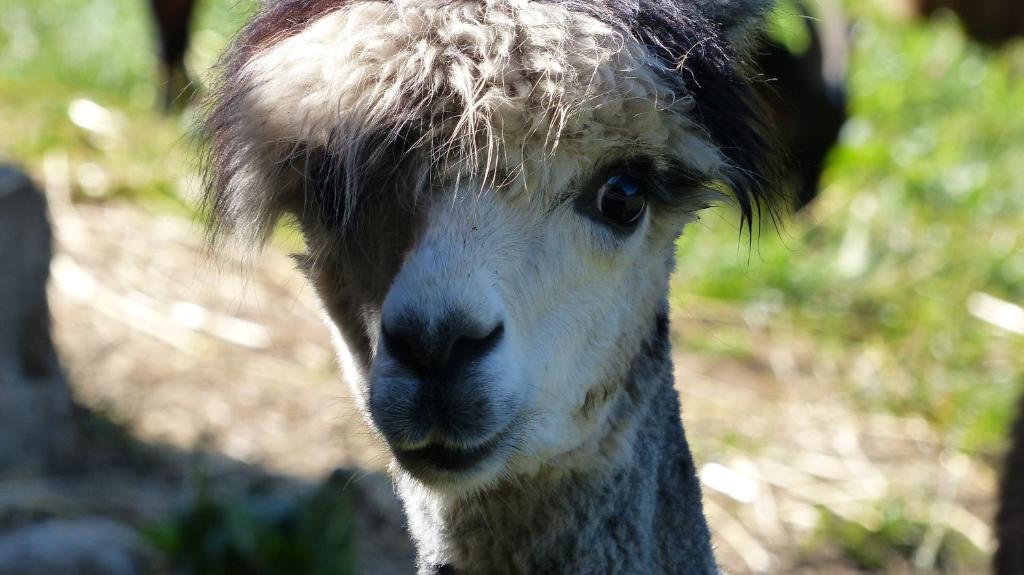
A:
(890, 276)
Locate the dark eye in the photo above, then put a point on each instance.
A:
(621, 201)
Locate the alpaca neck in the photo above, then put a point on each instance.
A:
(641, 515)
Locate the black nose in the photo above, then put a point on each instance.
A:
(442, 348)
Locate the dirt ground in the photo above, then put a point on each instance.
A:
(228, 356)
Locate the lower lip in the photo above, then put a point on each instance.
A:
(447, 459)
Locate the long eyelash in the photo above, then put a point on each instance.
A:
(681, 187)
(667, 181)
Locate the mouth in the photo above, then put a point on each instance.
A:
(448, 459)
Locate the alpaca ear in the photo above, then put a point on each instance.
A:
(739, 20)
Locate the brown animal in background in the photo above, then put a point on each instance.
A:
(173, 18)
(1009, 558)
(991, 22)
(807, 95)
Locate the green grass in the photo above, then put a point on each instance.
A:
(53, 53)
(261, 534)
(923, 205)
(896, 539)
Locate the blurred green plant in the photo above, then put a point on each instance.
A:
(59, 53)
(923, 209)
(260, 535)
(922, 212)
(894, 538)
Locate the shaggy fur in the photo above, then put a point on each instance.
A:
(470, 84)
(444, 161)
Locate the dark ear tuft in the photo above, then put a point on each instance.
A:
(250, 183)
(698, 43)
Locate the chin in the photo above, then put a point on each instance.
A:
(455, 472)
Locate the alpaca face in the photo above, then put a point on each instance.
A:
(490, 194)
(501, 326)
(504, 338)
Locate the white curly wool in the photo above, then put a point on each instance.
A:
(486, 84)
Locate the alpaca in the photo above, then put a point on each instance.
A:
(490, 193)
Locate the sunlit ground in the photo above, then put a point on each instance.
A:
(854, 373)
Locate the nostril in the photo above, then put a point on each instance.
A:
(466, 348)
(452, 345)
(400, 345)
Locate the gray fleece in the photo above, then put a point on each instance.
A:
(644, 516)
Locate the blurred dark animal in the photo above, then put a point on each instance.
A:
(1009, 559)
(173, 18)
(991, 22)
(35, 401)
(807, 95)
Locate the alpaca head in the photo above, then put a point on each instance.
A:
(490, 193)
